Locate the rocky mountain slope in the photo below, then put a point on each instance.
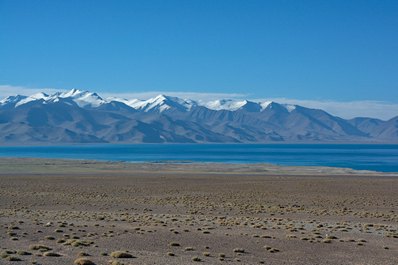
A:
(85, 117)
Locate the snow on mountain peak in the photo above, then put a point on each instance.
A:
(158, 100)
(34, 97)
(227, 104)
(272, 105)
(160, 97)
(72, 93)
(12, 99)
(90, 99)
(289, 107)
(265, 104)
(39, 95)
(161, 103)
(83, 98)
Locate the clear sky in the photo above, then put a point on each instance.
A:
(308, 50)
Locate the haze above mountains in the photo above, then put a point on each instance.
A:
(85, 117)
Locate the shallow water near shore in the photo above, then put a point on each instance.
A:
(383, 158)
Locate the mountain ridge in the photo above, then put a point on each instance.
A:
(85, 117)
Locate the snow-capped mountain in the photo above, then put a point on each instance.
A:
(161, 103)
(11, 101)
(82, 98)
(79, 116)
(225, 104)
(39, 96)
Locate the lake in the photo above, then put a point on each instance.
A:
(368, 157)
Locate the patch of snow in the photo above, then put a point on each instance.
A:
(11, 99)
(225, 104)
(72, 93)
(161, 103)
(290, 108)
(37, 96)
(265, 104)
(83, 98)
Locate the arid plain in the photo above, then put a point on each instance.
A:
(87, 212)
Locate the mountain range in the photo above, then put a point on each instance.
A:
(85, 117)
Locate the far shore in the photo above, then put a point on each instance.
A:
(12, 165)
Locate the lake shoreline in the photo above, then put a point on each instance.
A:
(381, 158)
(12, 165)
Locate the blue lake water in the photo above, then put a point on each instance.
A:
(369, 157)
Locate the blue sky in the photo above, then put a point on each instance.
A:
(304, 50)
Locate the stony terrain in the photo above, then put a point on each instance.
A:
(83, 212)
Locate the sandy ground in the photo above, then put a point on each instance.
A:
(55, 212)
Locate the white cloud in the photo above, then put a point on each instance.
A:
(184, 95)
(345, 109)
(7, 90)
(348, 109)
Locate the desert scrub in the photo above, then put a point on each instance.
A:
(83, 261)
(273, 250)
(51, 254)
(78, 243)
(41, 248)
(13, 258)
(115, 262)
(239, 250)
(7, 253)
(331, 237)
(121, 255)
(23, 253)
